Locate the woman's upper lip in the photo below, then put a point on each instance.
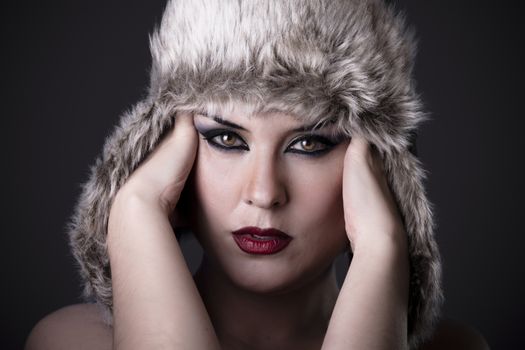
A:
(269, 232)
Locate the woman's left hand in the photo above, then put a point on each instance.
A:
(371, 309)
(371, 213)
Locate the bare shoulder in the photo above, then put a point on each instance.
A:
(78, 326)
(452, 335)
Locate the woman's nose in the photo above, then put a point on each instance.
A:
(264, 186)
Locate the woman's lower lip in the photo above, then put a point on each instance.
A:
(267, 245)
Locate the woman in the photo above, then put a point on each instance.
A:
(288, 126)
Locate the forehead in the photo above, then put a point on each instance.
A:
(276, 120)
(246, 113)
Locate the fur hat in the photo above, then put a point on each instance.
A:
(343, 61)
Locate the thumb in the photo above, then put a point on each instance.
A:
(176, 155)
(178, 150)
(162, 175)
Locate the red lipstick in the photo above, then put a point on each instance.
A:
(254, 240)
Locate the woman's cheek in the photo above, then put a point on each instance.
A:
(324, 177)
(215, 176)
(319, 189)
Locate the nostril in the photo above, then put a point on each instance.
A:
(263, 205)
(264, 188)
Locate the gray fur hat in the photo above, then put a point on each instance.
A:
(343, 61)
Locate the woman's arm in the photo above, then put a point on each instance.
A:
(156, 303)
(371, 310)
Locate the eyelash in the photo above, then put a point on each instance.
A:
(210, 135)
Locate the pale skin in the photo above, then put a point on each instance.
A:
(290, 301)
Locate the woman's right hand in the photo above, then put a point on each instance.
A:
(156, 303)
(160, 179)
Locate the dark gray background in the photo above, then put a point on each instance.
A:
(71, 68)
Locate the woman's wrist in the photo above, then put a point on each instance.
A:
(132, 197)
(129, 210)
(383, 244)
(387, 255)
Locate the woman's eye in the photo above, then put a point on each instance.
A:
(227, 139)
(312, 145)
(224, 139)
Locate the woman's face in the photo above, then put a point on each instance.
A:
(264, 171)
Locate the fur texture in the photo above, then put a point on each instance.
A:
(343, 61)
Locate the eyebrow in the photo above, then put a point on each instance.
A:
(219, 119)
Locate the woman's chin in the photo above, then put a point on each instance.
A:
(262, 277)
(272, 274)
(262, 285)
(268, 280)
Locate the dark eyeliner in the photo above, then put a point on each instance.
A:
(329, 145)
(210, 134)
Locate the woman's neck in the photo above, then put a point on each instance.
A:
(244, 319)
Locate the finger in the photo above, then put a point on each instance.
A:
(175, 154)
(362, 151)
(358, 150)
(359, 143)
(182, 132)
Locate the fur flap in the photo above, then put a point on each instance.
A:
(342, 61)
